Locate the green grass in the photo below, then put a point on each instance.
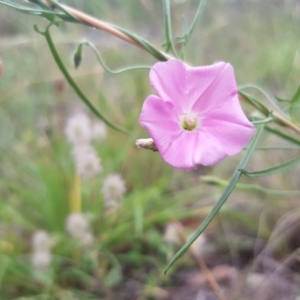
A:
(36, 167)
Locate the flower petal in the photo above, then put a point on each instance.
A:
(168, 79)
(229, 124)
(159, 118)
(219, 89)
(199, 79)
(208, 151)
(179, 154)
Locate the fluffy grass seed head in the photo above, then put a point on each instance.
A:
(41, 241)
(88, 239)
(77, 225)
(113, 189)
(87, 162)
(98, 131)
(41, 260)
(78, 129)
(171, 235)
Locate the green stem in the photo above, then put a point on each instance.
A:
(168, 28)
(105, 67)
(72, 82)
(187, 36)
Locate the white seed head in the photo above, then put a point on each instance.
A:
(78, 129)
(111, 206)
(113, 188)
(171, 235)
(41, 241)
(77, 225)
(87, 162)
(41, 260)
(87, 240)
(99, 131)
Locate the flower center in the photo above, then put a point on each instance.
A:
(189, 122)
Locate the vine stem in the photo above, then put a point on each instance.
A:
(93, 22)
(72, 83)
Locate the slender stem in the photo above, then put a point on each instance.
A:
(105, 67)
(188, 34)
(196, 18)
(168, 27)
(276, 116)
(100, 25)
(72, 82)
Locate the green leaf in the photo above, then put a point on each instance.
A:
(283, 135)
(46, 13)
(250, 188)
(264, 93)
(145, 44)
(294, 103)
(228, 190)
(272, 170)
(259, 106)
(264, 121)
(293, 100)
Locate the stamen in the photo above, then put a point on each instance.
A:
(189, 122)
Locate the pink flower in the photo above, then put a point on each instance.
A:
(196, 117)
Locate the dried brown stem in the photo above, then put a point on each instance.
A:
(207, 273)
(277, 117)
(93, 22)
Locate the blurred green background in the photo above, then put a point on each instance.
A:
(130, 249)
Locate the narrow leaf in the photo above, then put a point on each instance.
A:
(233, 181)
(259, 106)
(250, 188)
(272, 170)
(283, 135)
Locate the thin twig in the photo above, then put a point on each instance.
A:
(100, 25)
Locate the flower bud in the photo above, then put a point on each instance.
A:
(146, 144)
(78, 55)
